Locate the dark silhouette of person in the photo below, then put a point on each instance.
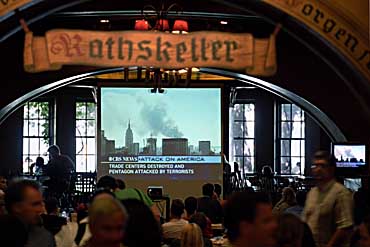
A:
(59, 169)
(39, 166)
(209, 206)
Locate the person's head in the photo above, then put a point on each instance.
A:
(288, 195)
(142, 227)
(107, 182)
(24, 199)
(54, 151)
(177, 208)
(267, 171)
(191, 205)
(323, 166)
(52, 205)
(218, 190)
(208, 189)
(3, 183)
(107, 219)
(121, 184)
(301, 197)
(248, 219)
(39, 161)
(102, 193)
(290, 231)
(191, 236)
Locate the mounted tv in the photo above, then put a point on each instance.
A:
(351, 158)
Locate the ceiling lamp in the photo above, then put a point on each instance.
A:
(141, 25)
(162, 23)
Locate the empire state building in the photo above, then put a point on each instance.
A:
(129, 139)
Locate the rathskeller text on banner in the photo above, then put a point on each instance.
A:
(157, 49)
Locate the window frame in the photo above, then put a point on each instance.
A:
(280, 139)
(49, 136)
(85, 137)
(243, 138)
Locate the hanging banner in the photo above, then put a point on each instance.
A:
(9, 5)
(334, 24)
(152, 49)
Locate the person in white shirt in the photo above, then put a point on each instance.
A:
(328, 208)
(173, 228)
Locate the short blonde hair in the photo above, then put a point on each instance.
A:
(191, 236)
(105, 206)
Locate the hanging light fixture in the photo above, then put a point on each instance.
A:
(162, 23)
(141, 25)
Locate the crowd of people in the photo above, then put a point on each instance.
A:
(118, 216)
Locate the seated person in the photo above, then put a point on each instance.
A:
(38, 166)
(172, 229)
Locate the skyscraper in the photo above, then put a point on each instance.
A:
(151, 143)
(129, 139)
(204, 147)
(175, 146)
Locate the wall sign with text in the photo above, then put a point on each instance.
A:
(163, 50)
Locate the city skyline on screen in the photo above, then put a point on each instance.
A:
(191, 113)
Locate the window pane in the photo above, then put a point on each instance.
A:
(80, 128)
(249, 112)
(249, 164)
(33, 128)
(91, 146)
(26, 144)
(43, 128)
(238, 147)
(249, 148)
(44, 145)
(286, 130)
(90, 110)
(249, 131)
(25, 111)
(237, 129)
(80, 110)
(286, 112)
(43, 110)
(297, 130)
(90, 127)
(33, 110)
(285, 165)
(296, 165)
(25, 127)
(27, 161)
(285, 148)
(80, 163)
(297, 113)
(91, 163)
(296, 148)
(80, 146)
(238, 112)
(34, 145)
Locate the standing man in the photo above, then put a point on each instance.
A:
(59, 169)
(328, 208)
(23, 199)
(249, 221)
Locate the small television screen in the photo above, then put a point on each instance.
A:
(350, 155)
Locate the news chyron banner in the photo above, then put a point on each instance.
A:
(161, 167)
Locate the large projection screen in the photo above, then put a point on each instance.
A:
(170, 139)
